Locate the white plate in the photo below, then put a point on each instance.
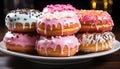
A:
(79, 58)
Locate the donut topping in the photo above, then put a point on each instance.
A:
(22, 16)
(53, 41)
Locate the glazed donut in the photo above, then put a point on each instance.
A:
(20, 42)
(22, 20)
(95, 42)
(57, 20)
(57, 46)
(95, 21)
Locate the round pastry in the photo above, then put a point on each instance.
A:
(58, 46)
(58, 20)
(20, 42)
(95, 21)
(22, 20)
(95, 42)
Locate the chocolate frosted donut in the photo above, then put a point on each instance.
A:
(22, 20)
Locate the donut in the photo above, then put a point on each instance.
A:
(20, 42)
(22, 20)
(95, 21)
(96, 42)
(57, 20)
(57, 46)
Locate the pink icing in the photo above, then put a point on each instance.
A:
(61, 21)
(69, 41)
(95, 16)
(59, 7)
(20, 39)
(62, 14)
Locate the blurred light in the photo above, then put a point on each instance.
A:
(94, 4)
(105, 4)
(110, 2)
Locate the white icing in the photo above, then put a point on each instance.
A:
(62, 18)
(53, 42)
(28, 17)
(9, 35)
(58, 15)
(98, 38)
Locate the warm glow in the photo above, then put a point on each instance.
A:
(105, 4)
(110, 2)
(94, 4)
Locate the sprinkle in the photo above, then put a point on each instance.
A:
(79, 43)
(11, 37)
(11, 20)
(52, 37)
(15, 15)
(53, 41)
(8, 16)
(17, 36)
(14, 19)
(25, 19)
(59, 37)
(18, 18)
(29, 16)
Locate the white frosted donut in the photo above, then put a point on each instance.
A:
(95, 42)
(22, 20)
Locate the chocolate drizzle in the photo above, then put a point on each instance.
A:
(17, 36)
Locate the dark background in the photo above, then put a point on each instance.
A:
(79, 4)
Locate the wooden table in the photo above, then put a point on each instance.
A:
(111, 61)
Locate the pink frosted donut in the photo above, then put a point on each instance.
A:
(58, 46)
(95, 21)
(58, 7)
(20, 42)
(58, 20)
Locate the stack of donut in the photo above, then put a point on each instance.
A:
(95, 34)
(59, 30)
(21, 36)
(57, 26)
